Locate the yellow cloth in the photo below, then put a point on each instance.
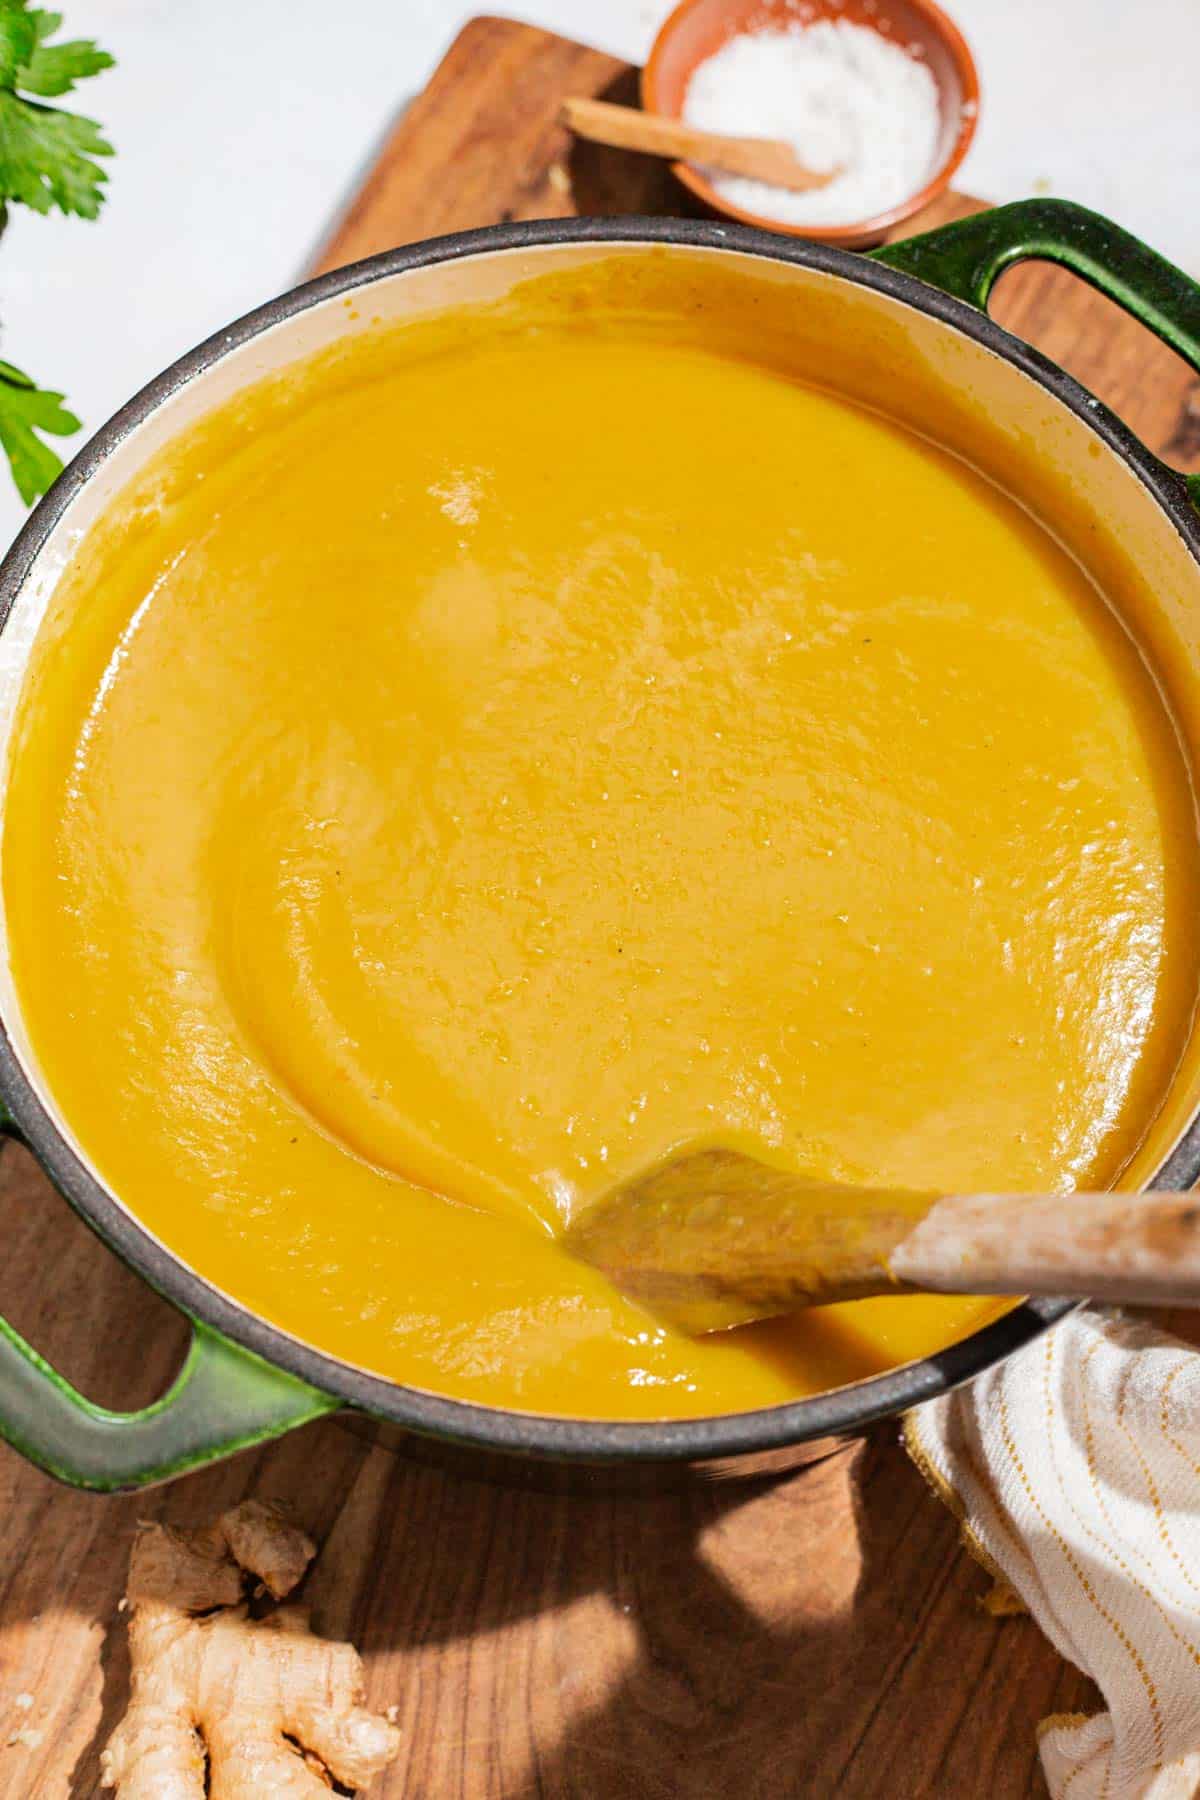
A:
(1075, 1466)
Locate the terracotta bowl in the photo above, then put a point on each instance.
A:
(698, 28)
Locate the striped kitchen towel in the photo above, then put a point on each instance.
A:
(1075, 1468)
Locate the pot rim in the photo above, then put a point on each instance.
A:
(839, 1411)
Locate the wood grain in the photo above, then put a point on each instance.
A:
(629, 128)
(485, 143)
(817, 1636)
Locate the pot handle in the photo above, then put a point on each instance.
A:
(223, 1399)
(965, 259)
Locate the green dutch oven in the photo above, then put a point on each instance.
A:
(243, 1380)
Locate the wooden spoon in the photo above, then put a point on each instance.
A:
(627, 128)
(713, 1238)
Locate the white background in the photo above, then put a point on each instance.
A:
(240, 126)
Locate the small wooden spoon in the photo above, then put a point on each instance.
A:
(627, 128)
(713, 1238)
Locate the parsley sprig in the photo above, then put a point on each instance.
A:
(47, 159)
(26, 409)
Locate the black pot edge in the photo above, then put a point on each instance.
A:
(840, 1412)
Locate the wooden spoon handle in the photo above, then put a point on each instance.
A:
(627, 128)
(1134, 1247)
(713, 1238)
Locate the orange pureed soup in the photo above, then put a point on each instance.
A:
(528, 739)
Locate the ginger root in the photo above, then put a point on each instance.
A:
(226, 1705)
(1002, 1601)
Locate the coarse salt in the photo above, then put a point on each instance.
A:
(843, 96)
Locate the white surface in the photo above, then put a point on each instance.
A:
(240, 126)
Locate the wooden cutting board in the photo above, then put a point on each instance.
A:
(818, 1635)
